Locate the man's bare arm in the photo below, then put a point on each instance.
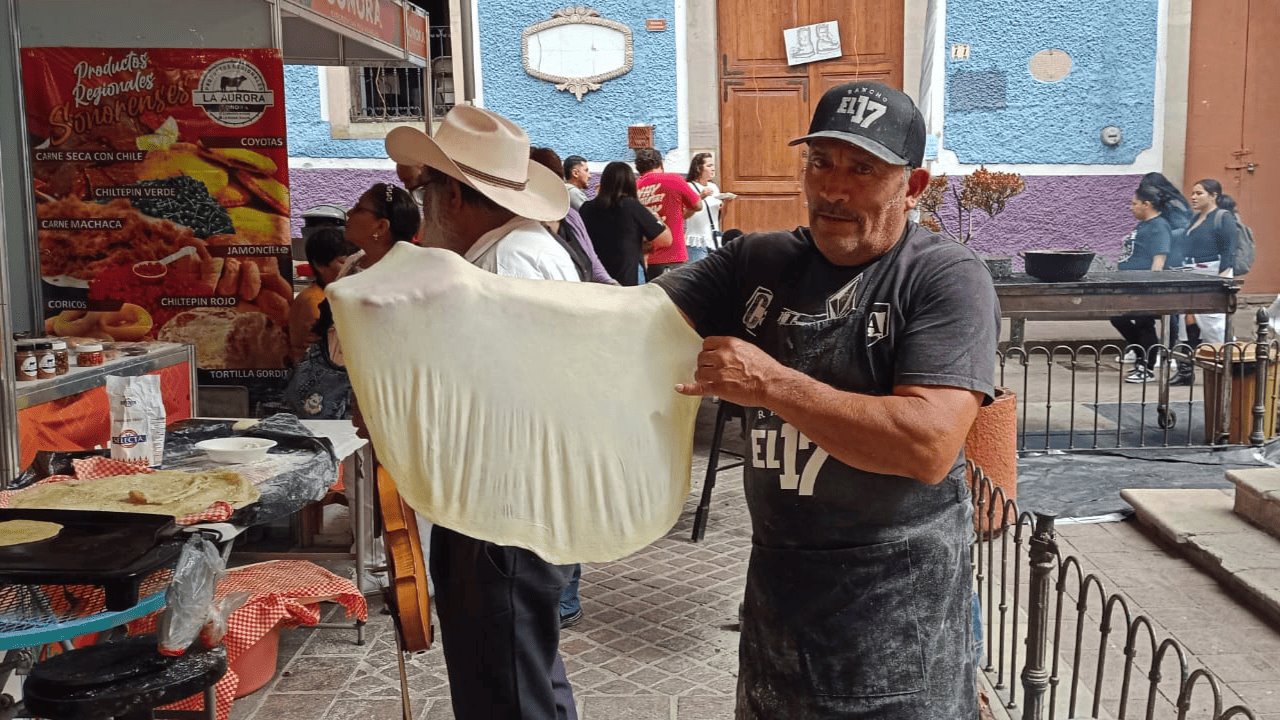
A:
(916, 432)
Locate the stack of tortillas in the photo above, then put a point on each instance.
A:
(164, 492)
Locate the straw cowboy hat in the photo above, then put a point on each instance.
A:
(488, 152)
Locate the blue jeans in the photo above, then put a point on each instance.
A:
(571, 603)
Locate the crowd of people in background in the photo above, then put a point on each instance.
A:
(632, 226)
(638, 221)
(1197, 234)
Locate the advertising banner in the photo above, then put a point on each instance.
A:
(162, 197)
(378, 19)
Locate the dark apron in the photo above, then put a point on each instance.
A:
(876, 622)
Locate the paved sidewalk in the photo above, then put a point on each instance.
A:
(658, 641)
(1215, 631)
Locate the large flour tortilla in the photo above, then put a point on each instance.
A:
(535, 413)
(17, 532)
(164, 492)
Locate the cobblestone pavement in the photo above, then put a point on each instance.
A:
(657, 641)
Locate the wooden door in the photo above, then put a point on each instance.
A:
(1234, 100)
(764, 103)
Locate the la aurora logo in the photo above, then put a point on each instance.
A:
(129, 438)
(233, 92)
(369, 11)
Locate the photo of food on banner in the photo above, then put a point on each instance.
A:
(161, 186)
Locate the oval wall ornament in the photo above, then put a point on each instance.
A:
(576, 49)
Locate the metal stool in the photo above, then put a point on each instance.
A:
(126, 679)
(726, 411)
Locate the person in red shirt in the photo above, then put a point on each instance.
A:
(669, 197)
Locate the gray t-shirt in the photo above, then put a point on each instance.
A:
(576, 196)
(925, 313)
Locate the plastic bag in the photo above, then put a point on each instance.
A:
(215, 625)
(189, 598)
(137, 418)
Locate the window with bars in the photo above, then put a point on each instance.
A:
(394, 94)
(387, 94)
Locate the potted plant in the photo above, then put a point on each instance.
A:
(992, 444)
(950, 209)
(982, 190)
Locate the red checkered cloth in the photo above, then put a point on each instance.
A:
(96, 468)
(284, 592)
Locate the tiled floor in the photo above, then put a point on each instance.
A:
(657, 640)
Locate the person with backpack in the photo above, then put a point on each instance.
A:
(1212, 242)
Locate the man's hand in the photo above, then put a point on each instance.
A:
(734, 370)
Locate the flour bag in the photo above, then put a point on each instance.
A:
(137, 418)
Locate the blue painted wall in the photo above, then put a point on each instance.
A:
(309, 136)
(996, 112)
(595, 128)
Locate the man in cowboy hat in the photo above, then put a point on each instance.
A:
(499, 606)
(861, 347)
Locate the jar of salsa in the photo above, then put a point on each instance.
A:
(89, 355)
(25, 365)
(46, 362)
(61, 357)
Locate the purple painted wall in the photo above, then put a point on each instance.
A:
(1075, 211)
(341, 187)
(1090, 211)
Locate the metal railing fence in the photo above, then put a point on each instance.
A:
(1078, 397)
(1037, 605)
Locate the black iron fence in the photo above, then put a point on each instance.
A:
(1058, 645)
(1087, 397)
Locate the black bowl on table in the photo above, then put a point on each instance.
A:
(1058, 265)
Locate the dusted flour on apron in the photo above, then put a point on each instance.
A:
(531, 413)
(857, 603)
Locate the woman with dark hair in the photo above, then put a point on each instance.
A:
(1211, 249)
(1145, 249)
(702, 228)
(1175, 210)
(622, 229)
(383, 216)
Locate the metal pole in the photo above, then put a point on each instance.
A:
(23, 156)
(1224, 393)
(1261, 357)
(9, 453)
(1035, 674)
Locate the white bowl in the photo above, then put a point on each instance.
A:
(236, 449)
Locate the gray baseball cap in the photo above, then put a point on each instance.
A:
(873, 116)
